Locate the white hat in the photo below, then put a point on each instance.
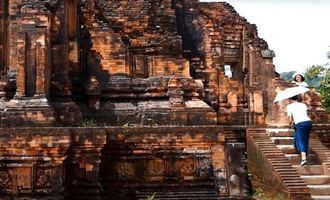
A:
(298, 73)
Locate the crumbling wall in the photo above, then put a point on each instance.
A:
(108, 54)
(234, 64)
(116, 59)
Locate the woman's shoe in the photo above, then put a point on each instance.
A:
(303, 163)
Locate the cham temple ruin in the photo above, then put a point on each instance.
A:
(134, 99)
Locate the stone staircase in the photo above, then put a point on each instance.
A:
(179, 194)
(271, 172)
(314, 174)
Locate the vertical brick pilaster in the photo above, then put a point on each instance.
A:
(21, 57)
(82, 164)
(41, 64)
(2, 35)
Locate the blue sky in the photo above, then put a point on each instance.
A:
(297, 30)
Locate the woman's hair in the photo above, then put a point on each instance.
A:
(296, 98)
(302, 77)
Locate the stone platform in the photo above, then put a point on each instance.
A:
(111, 162)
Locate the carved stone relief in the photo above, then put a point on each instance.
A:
(125, 170)
(155, 168)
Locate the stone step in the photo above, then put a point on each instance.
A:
(321, 126)
(282, 140)
(324, 150)
(295, 159)
(283, 132)
(289, 149)
(179, 198)
(310, 170)
(179, 195)
(316, 179)
(319, 189)
(320, 197)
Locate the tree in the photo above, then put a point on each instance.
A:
(325, 90)
(287, 75)
(322, 73)
(312, 80)
(314, 76)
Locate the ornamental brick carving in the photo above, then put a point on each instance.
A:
(185, 167)
(156, 168)
(124, 170)
(5, 179)
(44, 178)
(204, 166)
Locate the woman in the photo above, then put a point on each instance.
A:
(299, 79)
(297, 111)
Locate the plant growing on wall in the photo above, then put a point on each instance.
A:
(322, 75)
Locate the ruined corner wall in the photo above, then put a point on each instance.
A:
(226, 54)
(211, 36)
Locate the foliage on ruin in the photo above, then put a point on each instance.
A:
(318, 77)
(152, 197)
(90, 122)
(314, 76)
(322, 75)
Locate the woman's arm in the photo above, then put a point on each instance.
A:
(289, 114)
(291, 122)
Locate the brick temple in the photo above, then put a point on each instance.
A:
(125, 99)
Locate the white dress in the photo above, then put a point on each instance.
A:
(302, 84)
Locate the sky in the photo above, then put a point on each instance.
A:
(297, 30)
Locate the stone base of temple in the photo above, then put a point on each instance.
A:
(32, 163)
(165, 162)
(241, 118)
(31, 111)
(153, 112)
(67, 113)
(114, 162)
